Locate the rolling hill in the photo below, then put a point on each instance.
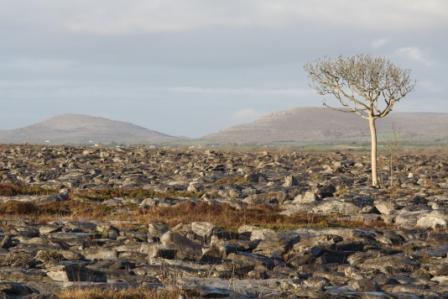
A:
(325, 126)
(83, 129)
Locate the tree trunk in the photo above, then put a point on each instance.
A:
(373, 153)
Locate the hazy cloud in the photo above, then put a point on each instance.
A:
(380, 42)
(431, 87)
(245, 91)
(123, 16)
(414, 54)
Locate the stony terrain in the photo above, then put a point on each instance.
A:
(199, 223)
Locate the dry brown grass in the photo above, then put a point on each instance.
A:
(7, 189)
(117, 294)
(54, 210)
(15, 189)
(229, 217)
(86, 205)
(232, 180)
(137, 193)
(219, 214)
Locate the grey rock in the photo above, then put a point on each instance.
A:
(306, 198)
(434, 219)
(74, 272)
(385, 207)
(156, 230)
(336, 207)
(203, 229)
(186, 248)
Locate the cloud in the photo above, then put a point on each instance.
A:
(380, 42)
(37, 64)
(414, 54)
(273, 92)
(122, 16)
(431, 87)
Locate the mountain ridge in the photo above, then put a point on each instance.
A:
(72, 128)
(301, 126)
(307, 125)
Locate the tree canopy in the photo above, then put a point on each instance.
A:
(368, 86)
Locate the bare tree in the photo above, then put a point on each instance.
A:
(365, 85)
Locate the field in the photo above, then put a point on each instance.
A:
(93, 222)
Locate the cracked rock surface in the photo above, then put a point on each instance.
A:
(222, 224)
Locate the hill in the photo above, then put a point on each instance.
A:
(83, 129)
(325, 126)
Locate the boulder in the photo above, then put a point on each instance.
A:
(385, 207)
(15, 290)
(390, 264)
(186, 248)
(277, 244)
(156, 230)
(100, 253)
(434, 219)
(108, 231)
(336, 206)
(408, 219)
(308, 197)
(75, 272)
(203, 229)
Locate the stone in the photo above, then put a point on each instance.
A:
(6, 242)
(75, 272)
(338, 207)
(408, 219)
(390, 264)
(253, 260)
(341, 249)
(203, 229)
(48, 256)
(15, 290)
(99, 253)
(277, 244)
(63, 195)
(326, 191)
(49, 228)
(149, 202)
(385, 207)
(108, 231)
(192, 187)
(186, 248)
(212, 255)
(434, 219)
(157, 251)
(290, 181)
(308, 197)
(156, 230)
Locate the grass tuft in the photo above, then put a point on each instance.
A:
(117, 294)
(22, 189)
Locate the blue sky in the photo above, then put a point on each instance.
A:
(192, 67)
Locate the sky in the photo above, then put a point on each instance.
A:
(193, 67)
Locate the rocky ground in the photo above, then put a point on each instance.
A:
(198, 223)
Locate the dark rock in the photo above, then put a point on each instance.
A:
(15, 290)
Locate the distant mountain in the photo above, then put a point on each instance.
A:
(83, 129)
(325, 126)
